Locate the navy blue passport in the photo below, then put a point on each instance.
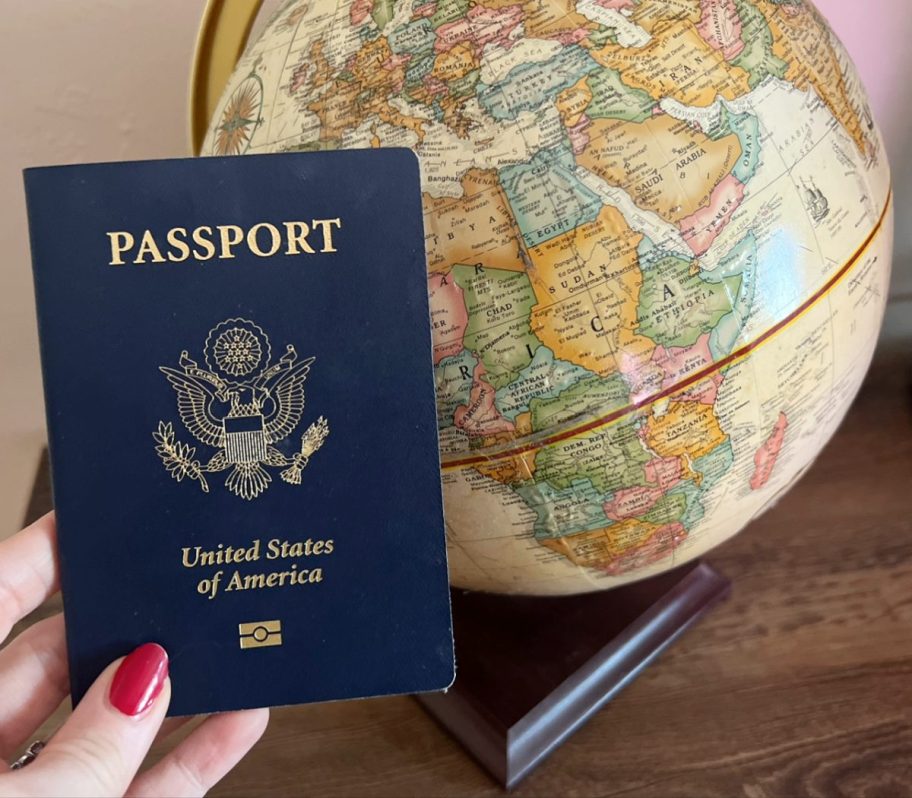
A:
(240, 401)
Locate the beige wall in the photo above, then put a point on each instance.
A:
(83, 80)
(88, 80)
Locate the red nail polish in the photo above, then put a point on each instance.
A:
(139, 679)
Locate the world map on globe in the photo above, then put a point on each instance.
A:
(658, 236)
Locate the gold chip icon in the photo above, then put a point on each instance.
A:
(259, 634)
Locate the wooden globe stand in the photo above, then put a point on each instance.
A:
(530, 671)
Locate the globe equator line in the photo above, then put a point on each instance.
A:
(728, 360)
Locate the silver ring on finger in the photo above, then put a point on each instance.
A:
(30, 755)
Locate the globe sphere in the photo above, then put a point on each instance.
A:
(658, 241)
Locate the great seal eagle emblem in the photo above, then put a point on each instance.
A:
(243, 405)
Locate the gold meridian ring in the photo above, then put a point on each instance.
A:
(30, 755)
(728, 360)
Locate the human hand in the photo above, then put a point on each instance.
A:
(101, 746)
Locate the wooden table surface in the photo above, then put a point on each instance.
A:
(800, 685)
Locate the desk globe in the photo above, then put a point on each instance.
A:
(658, 240)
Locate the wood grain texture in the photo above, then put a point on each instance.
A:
(800, 685)
(533, 669)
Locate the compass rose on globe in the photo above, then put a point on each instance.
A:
(240, 118)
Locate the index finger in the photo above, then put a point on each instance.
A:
(28, 571)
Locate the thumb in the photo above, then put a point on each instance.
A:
(101, 747)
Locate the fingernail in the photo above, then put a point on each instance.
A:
(139, 679)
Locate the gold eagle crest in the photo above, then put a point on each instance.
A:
(242, 406)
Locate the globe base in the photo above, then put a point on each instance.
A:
(532, 670)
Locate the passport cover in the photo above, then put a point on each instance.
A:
(241, 413)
